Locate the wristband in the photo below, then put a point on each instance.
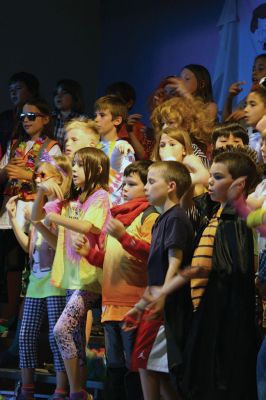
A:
(255, 218)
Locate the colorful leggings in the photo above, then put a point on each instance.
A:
(33, 314)
(69, 330)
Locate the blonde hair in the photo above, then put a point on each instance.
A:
(189, 114)
(86, 125)
(65, 180)
(175, 133)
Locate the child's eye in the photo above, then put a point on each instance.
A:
(162, 144)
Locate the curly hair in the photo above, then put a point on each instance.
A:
(189, 114)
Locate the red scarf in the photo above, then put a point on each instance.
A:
(126, 213)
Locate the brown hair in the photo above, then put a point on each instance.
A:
(178, 134)
(114, 104)
(96, 169)
(174, 171)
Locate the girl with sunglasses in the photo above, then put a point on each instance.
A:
(54, 176)
(16, 171)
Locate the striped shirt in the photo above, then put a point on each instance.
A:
(202, 257)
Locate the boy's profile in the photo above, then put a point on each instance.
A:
(110, 114)
(80, 132)
(222, 337)
(170, 251)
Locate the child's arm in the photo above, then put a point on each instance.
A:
(94, 256)
(45, 189)
(234, 90)
(135, 247)
(199, 174)
(50, 237)
(75, 225)
(22, 238)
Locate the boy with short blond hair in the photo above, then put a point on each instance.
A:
(80, 132)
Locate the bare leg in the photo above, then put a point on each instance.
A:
(61, 380)
(27, 376)
(74, 375)
(167, 389)
(150, 384)
(88, 326)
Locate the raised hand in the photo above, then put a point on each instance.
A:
(11, 206)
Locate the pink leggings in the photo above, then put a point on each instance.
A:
(69, 330)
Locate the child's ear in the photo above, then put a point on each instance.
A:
(172, 186)
(117, 120)
(46, 119)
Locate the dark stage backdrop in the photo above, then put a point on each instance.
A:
(97, 42)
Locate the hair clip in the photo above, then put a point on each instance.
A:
(46, 157)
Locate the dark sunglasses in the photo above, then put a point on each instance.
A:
(30, 115)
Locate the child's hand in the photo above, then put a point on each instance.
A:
(11, 206)
(131, 120)
(115, 228)
(236, 190)
(236, 115)
(156, 309)
(132, 319)
(14, 171)
(176, 85)
(124, 147)
(261, 125)
(236, 88)
(27, 213)
(51, 189)
(81, 245)
(49, 219)
(20, 162)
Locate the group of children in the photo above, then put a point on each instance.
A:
(163, 242)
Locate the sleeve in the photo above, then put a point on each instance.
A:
(176, 234)
(96, 257)
(55, 151)
(146, 228)
(5, 158)
(53, 206)
(98, 211)
(135, 247)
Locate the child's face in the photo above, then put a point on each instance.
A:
(33, 127)
(105, 122)
(263, 150)
(171, 149)
(78, 174)
(77, 139)
(156, 188)
(133, 187)
(19, 93)
(254, 110)
(231, 140)
(44, 173)
(63, 101)
(259, 69)
(219, 182)
(190, 80)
